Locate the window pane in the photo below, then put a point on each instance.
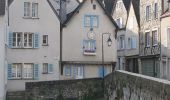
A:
(45, 68)
(16, 71)
(45, 39)
(87, 21)
(28, 71)
(95, 21)
(35, 10)
(26, 9)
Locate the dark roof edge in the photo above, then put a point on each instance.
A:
(78, 8)
(54, 10)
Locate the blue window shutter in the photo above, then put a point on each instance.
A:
(9, 71)
(70, 70)
(95, 45)
(83, 72)
(50, 68)
(91, 21)
(101, 72)
(10, 40)
(36, 71)
(97, 21)
(36, 40)
(105, 71)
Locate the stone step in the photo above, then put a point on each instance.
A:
(18, 95)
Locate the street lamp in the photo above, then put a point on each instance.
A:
(109, 42)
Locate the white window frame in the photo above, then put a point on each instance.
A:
(18, 70)
(121, 42)
(153, 38)
(68, 70)
(155, 10)
(27, 9)
(46, 39)
(34, 10)
(148, 18)
(27, 74)
(31, 11)
(45, 68)
(90, 22)
(16, 43)
(147, 42)
(133, 40)
(27, 42)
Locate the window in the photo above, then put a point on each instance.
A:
(30, 10)
(155, 37)
(45, 39)
(68, 70)
(45, 68)
(89, 46)
(27, 9)
(17, 38)
(16, 71)
(23, 40)
(122, 42)
(28, 40)
(129, 42)
(119, 22)
(133, 43)
(78, 72)
(148, 12)
(34, 9)
(28, 71)
(147, 39)
(91, 21)
(156, 10)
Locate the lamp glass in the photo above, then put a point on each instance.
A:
(109, 41)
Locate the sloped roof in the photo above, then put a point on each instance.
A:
(109, 5)
(2, 7)
(136, 6)
(69, 16)
(126, 4)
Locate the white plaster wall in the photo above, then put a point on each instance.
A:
(132, 32)
(75, 32)
(47, 24)
(2, 57)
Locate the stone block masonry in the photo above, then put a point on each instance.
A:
(120, 85)
(86, 89)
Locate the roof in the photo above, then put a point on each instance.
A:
(109, 4)
(136, 5)
(126, 4)
(2, 7)
(69, 16)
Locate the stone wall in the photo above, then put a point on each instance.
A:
(86, 89)
(123, 85)
(119, 85)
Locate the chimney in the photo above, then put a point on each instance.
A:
(63, 11)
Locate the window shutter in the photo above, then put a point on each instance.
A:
(36, 40)
(10, 40)
(105, 71)
(83, 72)
(50, 68)
(36, 71)
(65, 70)
(9, 71)
(101, 72)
